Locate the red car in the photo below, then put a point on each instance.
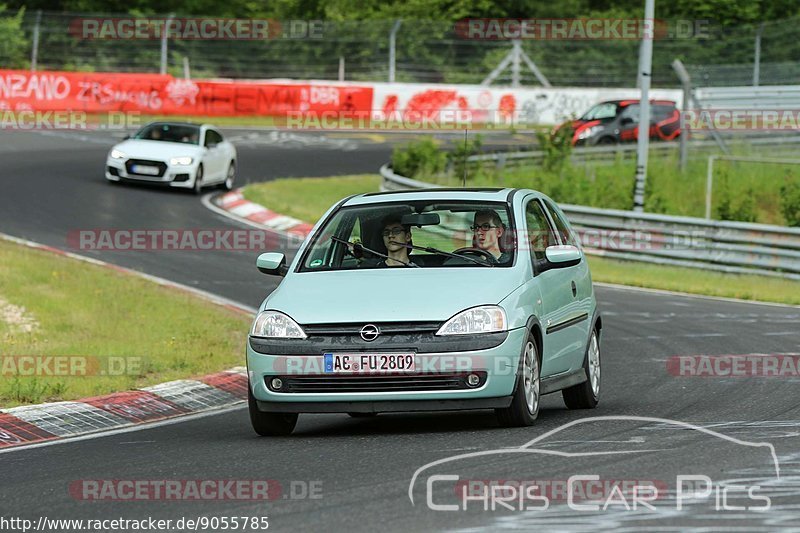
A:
(617, 121)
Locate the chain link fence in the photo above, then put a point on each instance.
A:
(426, 51)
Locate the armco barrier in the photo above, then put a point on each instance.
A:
(734, 247)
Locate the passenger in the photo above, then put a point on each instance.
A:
(155, 134)
(396, 237)
(489, 229)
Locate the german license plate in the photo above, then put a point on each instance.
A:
(144, 169)
(368, 363)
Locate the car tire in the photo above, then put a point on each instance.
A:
(198, 180)
(269, 424)
(586, 395)
(362, 415)
(230, 177)
(606, 141)
(525, 403)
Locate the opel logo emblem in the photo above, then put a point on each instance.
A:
(370, 332)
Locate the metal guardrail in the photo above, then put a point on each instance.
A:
(610, 154)
(735, 247)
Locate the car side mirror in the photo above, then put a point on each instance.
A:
(625, 121)
(273, 263)
(126, 137)
(562, 256)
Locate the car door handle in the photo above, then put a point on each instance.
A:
(574, 289)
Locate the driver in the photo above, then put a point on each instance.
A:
(396, 238)
(488, 228)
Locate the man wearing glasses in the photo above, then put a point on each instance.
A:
(488, 229)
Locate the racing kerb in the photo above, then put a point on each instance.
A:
(734, 247)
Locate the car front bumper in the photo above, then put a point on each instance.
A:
(497, 366)
(181, 176)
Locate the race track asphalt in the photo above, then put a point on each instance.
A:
(52, 184)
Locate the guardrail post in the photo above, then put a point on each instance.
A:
(392, 42)
(35, 48)
(709, 184)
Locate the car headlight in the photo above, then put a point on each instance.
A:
(276, 325)
(482, 319)
(181, 161)
(116, 154)
(588, 132)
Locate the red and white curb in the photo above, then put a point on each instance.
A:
(36, 424)
(235, 203)
(30, 424)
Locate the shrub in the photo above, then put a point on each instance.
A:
(419, 158)
(790, 202)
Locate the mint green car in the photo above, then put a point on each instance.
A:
(428, 300)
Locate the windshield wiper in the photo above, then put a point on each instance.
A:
(448, 254)
(362, 247)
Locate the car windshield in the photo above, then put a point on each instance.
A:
(418, 234)
(175, 133)
(602, 111)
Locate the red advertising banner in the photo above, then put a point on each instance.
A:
(163, 94)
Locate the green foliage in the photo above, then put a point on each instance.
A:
(557, 147)
(14, 47)
(422, 157)
(790, 202)
(462, 151)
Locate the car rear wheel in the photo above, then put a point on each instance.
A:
(269, 424)
(586, 395)
(198, 180)
(524, 406)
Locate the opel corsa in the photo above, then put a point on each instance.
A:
(429, 300)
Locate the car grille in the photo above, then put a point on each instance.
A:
(407, 383)
(162, 167)
(354, 329)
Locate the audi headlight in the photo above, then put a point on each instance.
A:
(181, 161)
(588, 132)
(482, 319)
(276, 325)
(116, 154)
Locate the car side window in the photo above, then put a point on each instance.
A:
(567, 237)
(631, 112)
(540, 234)
(212, 138)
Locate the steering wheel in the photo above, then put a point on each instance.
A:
(477, 251)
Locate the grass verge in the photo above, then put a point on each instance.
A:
(308, 199)
(136, 332)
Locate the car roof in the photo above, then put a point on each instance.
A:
(444, 194)
(178, 123)
(629, 101)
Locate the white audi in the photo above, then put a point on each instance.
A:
(177, 154)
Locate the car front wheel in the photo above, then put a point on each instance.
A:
(230, 177)
(524, 406)
(198, 180)
(269, 424)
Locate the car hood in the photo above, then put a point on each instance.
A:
(143, 149)
(390, 295)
